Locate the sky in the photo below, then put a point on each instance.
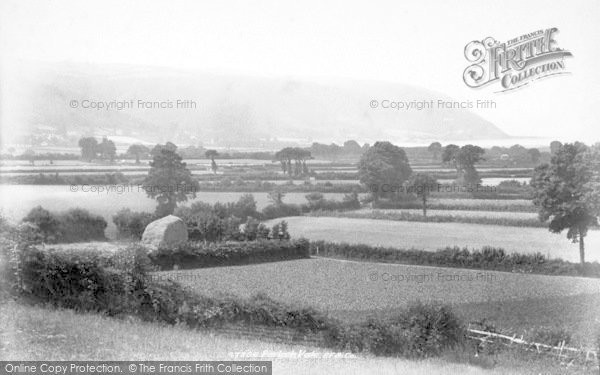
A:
(420, 43)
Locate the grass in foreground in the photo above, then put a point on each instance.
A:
(36, 333)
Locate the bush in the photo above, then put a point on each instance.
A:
(421, 330)
(317, 202)
(131, 224)
(218, 222)
(488, 258)
(259, 310)
(74, 225)
(274, 211)
(254, 230)
(82, 279)
(47, 223)
(79, 225)
(200, 254)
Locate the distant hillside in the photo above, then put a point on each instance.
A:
(231, 111)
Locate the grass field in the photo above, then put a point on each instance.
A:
(35, 333)
(353, 290)
(432, 236)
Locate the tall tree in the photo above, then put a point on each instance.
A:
(463, 159)
(169, 181)
(566, 191)
(298, 156)
(89, 148)
(212, 154)
(276, 196)
(138, 151)
(384, 167)
(107, 150)
(435, 149)
(535, 155)
(422, 184)
(555, 146)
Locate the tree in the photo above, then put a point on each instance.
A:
(138, 151)
(212, 154)
(449, 155)
(535, 155)
(157, 149)
(383, 168)
(566, 191)
(298, 156)
(30, 155)
(555, 146)
(107, 150)
(463, 159)
(276, 196)
(169, 181)
(46, 223)
(435, 149)
(89, 148)
(467, 157)
(422, 185)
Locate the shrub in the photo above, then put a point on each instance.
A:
(82, 279)
(79, 225)
(421, 330)
(74, 225)
(280, 231)
(488, 258)
(47, 223)
(254, 230)
(200, 254)
(274, 211)
(316, 201)
(131, 224)
(258, 310)
(218, 222)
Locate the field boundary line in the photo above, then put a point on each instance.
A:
(451, 268)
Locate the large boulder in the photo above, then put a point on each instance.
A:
(167, 232)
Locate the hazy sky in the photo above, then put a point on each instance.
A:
(419, 43)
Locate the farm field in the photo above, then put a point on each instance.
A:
(432, 236)
(354, 290)
(38, 333)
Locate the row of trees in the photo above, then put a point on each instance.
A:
(298, 156)
(385, 164)
(106, 150)
(92, 150)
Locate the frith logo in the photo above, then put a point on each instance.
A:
(516, 62)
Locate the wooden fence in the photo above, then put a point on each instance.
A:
(566, 354)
